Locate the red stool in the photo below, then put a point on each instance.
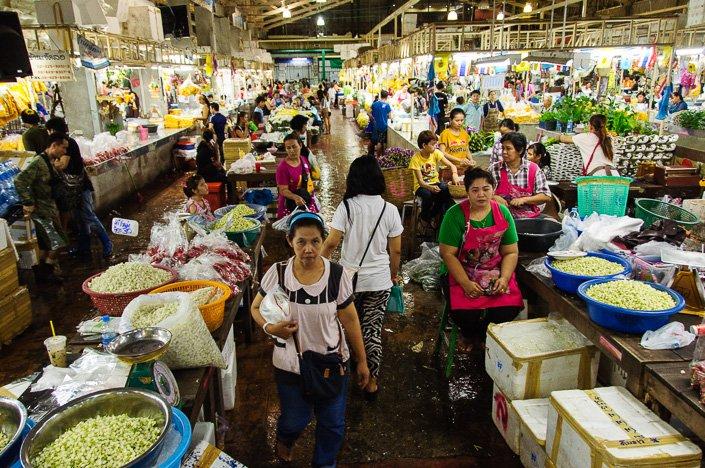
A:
(216, 195)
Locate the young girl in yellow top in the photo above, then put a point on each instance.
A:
(434, 194)
(455, 141)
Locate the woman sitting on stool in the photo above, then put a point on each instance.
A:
(208, 164)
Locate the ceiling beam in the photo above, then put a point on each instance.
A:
(303, 13)
(402, 9)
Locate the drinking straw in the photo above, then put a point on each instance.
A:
(51, 324)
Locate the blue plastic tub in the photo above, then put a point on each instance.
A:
(182, 425)
(260, 211)
(570, 283)
(14, 456)
(626, 320)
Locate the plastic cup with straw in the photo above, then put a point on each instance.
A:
(56, 347)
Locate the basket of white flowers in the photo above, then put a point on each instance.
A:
(114, 288)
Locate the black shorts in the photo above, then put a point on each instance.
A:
(379, 136)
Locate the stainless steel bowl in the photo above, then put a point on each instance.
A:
(130, 401)
(140, 344)
(13, 417)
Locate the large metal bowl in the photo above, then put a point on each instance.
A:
(13, 417)
(130, 401)
(140, 344)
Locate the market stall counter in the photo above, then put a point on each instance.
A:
(266, 177)
(117, 178)
(624, 350)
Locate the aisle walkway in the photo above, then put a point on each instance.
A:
(419, 419)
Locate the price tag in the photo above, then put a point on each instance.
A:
(125, 227)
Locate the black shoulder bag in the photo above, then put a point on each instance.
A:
(347, 209)
(301, 191)
(322, 375)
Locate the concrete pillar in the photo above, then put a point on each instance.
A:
(80, 105)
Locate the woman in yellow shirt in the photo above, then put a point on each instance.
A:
(455, 141)
(434, 194)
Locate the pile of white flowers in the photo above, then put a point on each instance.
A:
(632, 295)
(129, 277)
(588, 266)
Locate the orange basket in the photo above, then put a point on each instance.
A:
(214, 312)
(114, 303)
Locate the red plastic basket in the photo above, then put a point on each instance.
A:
(114, 303)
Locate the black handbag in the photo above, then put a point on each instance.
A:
(301, 191)
(347, 210)
(322, 375)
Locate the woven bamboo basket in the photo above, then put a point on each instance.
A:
(457, 191)
(400, 185)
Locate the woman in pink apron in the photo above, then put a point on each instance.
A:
(478, 244)
(521, 184)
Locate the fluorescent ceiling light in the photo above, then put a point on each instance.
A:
(452, 15)
(500, 16)
(320, 21)
(681, 52)
(528, 8)
(286, 13)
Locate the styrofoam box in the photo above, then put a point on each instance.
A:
(505, 418)
(580, 434)
(525, 374)
(228, 379)
(533, 415)
(202, 432)
(229, 345)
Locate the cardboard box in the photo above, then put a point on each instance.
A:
(15, 315)
(9, 280)
(23, 230)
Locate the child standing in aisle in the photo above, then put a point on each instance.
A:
(196, 190)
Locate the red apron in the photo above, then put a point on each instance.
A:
(481, 260)
(510, 192)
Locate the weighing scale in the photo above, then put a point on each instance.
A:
(687, 282)
(142, 348)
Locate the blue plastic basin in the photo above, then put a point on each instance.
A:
(627, 320)
(182, 425)
(570, 283)
(260, 211)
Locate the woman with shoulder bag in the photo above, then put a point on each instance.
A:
(367, 226)
(311, 356)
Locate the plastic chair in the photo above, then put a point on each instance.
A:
(451, 341)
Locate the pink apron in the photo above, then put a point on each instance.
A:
(510, 192)
(481, 260)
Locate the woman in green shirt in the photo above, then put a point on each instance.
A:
(478, 244)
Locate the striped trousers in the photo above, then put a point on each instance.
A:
(371, 307)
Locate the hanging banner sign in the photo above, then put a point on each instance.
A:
(92, 55)
(50, 66)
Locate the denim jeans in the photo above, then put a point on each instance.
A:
(89, 222)
(433, 204)
(296, 413)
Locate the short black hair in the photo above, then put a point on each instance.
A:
(426, 137)
(57, 125)
(641, 93)
(241, 114)
(292, 136)
(364, 178)
(383, 94)
(518, 141)
(509, 123)
(57, 138)
(460, 100)
(30, 116)
(474, 173)
(455, 112)
(677, 94)
(215, 106)
(259, 99)
(298, 122)
(191, 185)
(474, 91)
(208, 134)
(440, 85)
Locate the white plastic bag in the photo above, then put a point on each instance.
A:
(275, 306)
(599, 232)
(571, 227)
(244, 165)
(191, 343)
(670, 336)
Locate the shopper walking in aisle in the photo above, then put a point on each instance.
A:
(491, 112)
(505, 126)
(473, 112)
(521, 184)
(208, 164)
(35, 138)
(442, 100)
(320, 300)
(454, 141)
(595, 147)
(324, 106)
(434, 194)
(34, 187)
(332, 96)
(294, 180)
(77, 194)
(381, 112)
(219, 124)
(368, 226)
(478, 244)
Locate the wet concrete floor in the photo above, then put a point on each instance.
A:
(419, 420)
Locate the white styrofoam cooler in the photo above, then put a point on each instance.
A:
(609, 427)
(505, 418)
(525, 375)
(228, 376)
(533, 416)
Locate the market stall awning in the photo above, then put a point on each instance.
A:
(555, 57)
(498, 60)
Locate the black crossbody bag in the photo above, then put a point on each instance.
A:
(322, 375)
(347, 209)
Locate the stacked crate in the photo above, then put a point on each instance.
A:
(15, 304)
(235, 148)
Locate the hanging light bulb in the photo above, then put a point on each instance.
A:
(452, 15)
(500, 16)
(320, 21)
(286, 13)
(528, 8)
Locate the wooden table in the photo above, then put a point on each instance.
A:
(266, 177)
(623, 349)
(567, 192)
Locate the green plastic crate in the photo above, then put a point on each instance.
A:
(606, 195)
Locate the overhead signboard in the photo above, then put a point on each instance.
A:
(51, 66)
(547, 56)
(92, 55)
